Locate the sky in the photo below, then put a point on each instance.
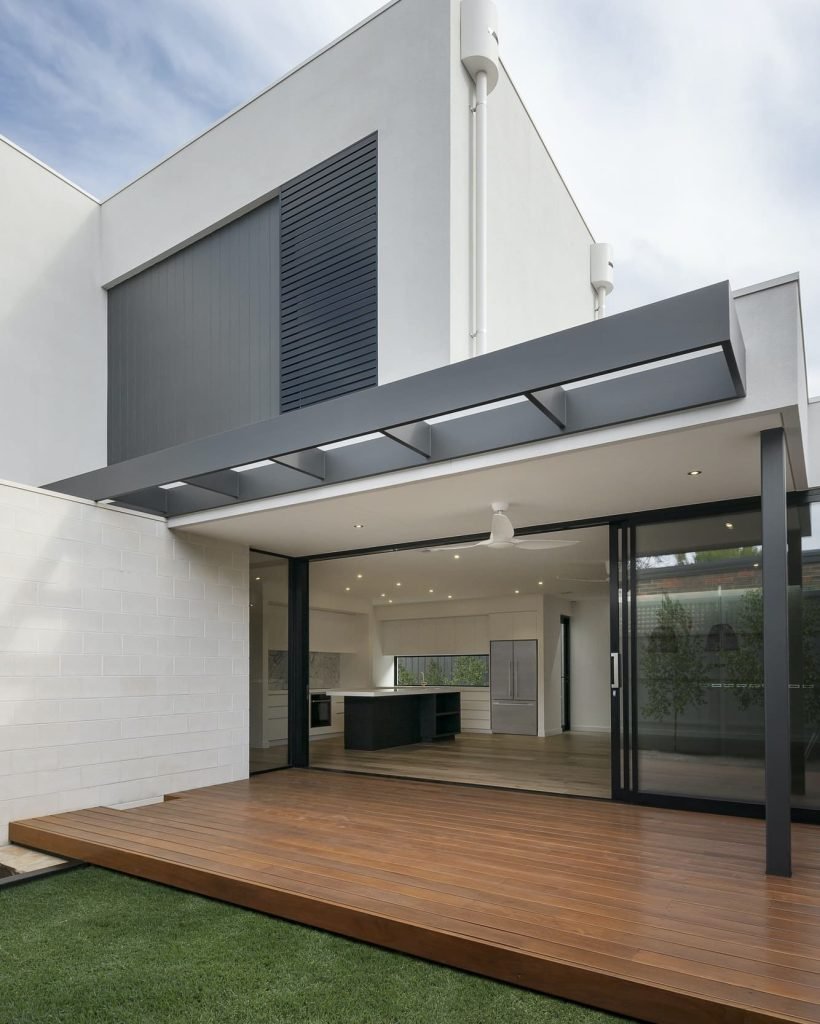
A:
(688, 133)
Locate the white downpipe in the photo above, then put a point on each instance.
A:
(480, 255)
(600, 310)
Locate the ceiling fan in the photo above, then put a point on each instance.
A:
(587, 579)
(502, 535)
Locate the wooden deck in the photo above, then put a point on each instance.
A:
(662, 916)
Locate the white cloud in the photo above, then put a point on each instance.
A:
(688, 133)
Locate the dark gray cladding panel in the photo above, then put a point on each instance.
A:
(328, 267)
(193, 341)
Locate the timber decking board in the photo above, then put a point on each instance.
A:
(660, 915)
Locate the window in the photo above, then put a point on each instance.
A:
(443, 670)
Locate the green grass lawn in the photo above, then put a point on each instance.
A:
(92, 946)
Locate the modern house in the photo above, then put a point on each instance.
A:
(319, 450)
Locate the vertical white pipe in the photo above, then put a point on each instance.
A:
(600, 311)
(480, 258)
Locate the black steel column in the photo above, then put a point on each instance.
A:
(796, 668)
(776, 652)
(298, 661)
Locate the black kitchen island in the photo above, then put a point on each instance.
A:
(375, 719)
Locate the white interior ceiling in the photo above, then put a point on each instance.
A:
(402, 577)
(637, 474)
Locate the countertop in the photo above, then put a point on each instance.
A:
(385, 691)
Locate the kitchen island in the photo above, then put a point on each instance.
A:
(375, 719)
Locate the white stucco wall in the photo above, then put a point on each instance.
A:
(391, 76)
(123, 657)
(52, 325)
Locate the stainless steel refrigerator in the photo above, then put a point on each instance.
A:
(514, 686)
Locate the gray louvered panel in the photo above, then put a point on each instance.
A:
(328, 272)
(193, 340)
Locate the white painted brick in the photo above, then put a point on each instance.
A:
(81, 621)
(139, 645)
(189, 627)
(205, 721)
(113, 623)
(55, 641)
(81, 664)
(176, 645)
(175, 606)
(157, 625)
(119, 644)
(102, 643)
(206, 646)
(13, 640)
(156, 664)
(155, 725)
(140, 604)
(58, 595)
(123, 665)
(191, 589)
(102, 558)
(139, 562)
(16, 592)
(178, 568)
(120, 538)
(102, 600)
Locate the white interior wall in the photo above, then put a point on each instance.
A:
(52, 325)
(391, 75)
(123, 657)
(589, 665)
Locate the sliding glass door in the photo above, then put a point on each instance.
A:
(687, 634)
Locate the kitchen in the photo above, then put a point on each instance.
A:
(428, 666)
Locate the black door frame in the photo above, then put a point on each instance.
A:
(622, 527)
(566, 674)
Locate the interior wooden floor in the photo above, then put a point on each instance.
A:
(659, 915)
(572, 763)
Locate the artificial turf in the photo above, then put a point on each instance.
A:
(94, 947)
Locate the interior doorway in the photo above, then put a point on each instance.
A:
(566, 673)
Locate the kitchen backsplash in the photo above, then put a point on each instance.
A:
(325, 670)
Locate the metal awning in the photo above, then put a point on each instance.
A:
(676, 354)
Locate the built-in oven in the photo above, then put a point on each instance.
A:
(320, 713)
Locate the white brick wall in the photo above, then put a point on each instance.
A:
(123, 657)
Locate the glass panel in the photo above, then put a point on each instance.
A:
(698, 671)
(443, 670)
(268, 633)
(805, 667)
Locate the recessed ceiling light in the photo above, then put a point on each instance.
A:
(694, 472)
(384, 595)
(358, 526)
(398, 584)
(258, 578)
(430, 591)
(540, 583)
(517, 591)
(449, 597)
(358, 575)
(172, 486)
(390, 600)
(729, 526)
(347, 588)
(456, 556)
